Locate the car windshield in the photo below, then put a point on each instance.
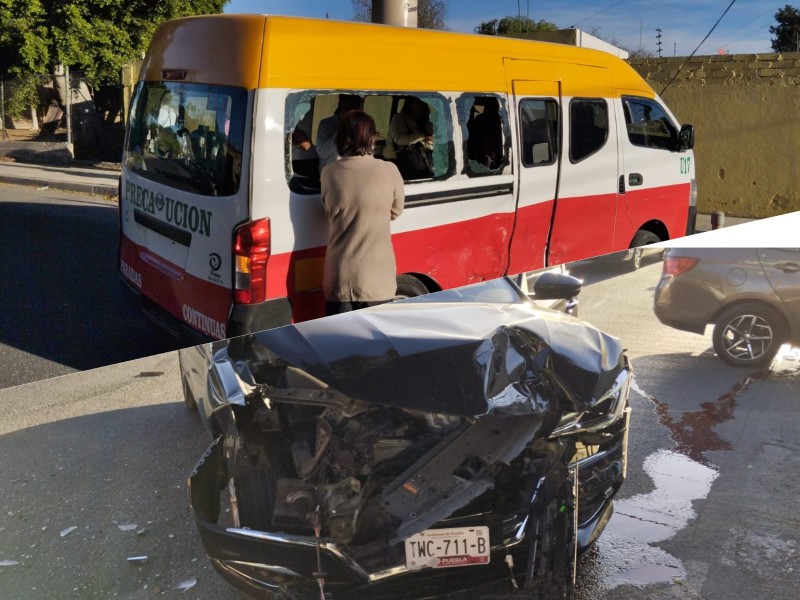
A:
(496, 291)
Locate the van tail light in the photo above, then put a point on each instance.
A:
(676, 265)
(251, 250)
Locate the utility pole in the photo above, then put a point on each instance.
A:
(658, 37)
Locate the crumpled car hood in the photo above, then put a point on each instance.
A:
(448, 358)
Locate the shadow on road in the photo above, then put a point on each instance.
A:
(61, 298)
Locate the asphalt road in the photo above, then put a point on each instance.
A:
(707, 511)
(61, 306)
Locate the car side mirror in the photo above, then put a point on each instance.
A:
(686, 138)
(556, 286)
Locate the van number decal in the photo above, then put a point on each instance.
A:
(686, 163)
(191, 218)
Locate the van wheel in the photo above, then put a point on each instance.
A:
(748, 334)
(642, 238)
(409, 286)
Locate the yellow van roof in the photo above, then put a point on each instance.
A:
(255, 51)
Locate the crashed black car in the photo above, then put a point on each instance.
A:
(410, 450)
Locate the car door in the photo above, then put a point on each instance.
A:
(782, 269)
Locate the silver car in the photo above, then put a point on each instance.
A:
(751, 296)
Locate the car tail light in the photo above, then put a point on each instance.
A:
(251, 250)
(675, 265)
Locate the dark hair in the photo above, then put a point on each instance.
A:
(355, 133)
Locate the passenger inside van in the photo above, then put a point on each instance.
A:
(485, 142)
(326, 131)
(410, 140)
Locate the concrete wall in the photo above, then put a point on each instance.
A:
(746, 113)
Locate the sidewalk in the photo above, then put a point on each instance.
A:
(105, 182)
(79, 178)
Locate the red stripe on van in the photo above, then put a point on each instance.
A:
(201, 304)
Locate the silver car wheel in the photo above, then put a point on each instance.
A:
(747, 337)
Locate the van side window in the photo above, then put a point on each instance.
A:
(538, 122)
(415, 132)
(588, 127)
(648, 124)
(484, 127)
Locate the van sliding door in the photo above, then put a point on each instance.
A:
(537, 106)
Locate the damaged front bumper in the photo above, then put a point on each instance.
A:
(318, 487)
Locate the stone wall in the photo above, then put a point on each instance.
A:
(746, 113)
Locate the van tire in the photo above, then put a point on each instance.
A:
(642, 238)
(409, 286)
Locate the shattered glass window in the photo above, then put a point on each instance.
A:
(189, 136)
(414, 131)
(487, 139)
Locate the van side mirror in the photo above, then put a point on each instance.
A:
(686, 138)
(556, 286)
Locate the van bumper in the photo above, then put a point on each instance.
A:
(250, 318)
(245, 318)
(161, 318)
(691, 223)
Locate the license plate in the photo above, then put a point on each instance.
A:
(455, 547)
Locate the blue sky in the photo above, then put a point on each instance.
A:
(745, 28)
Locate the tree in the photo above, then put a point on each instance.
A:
(514, 25)
(431, 14)
(787, 32)
(95, 37)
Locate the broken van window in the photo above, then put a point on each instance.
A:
(487, 139)
(306, 153)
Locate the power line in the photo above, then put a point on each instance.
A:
(728, 33)
(698, 47)
(597, 13)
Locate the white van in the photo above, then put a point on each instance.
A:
(222, 229)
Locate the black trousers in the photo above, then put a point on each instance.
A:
(335, 308)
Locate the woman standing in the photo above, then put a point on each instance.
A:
(362, 196)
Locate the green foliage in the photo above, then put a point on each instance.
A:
(95, 37)
(21, 95)
(514, 25)
(787, 32)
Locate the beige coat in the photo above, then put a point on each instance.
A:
(361, 195)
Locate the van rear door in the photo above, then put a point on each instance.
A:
(183, 194)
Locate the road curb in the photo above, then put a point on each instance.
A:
(68, 186)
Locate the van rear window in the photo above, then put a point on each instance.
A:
(188, 136)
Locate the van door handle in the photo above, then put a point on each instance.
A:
(635, 179)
